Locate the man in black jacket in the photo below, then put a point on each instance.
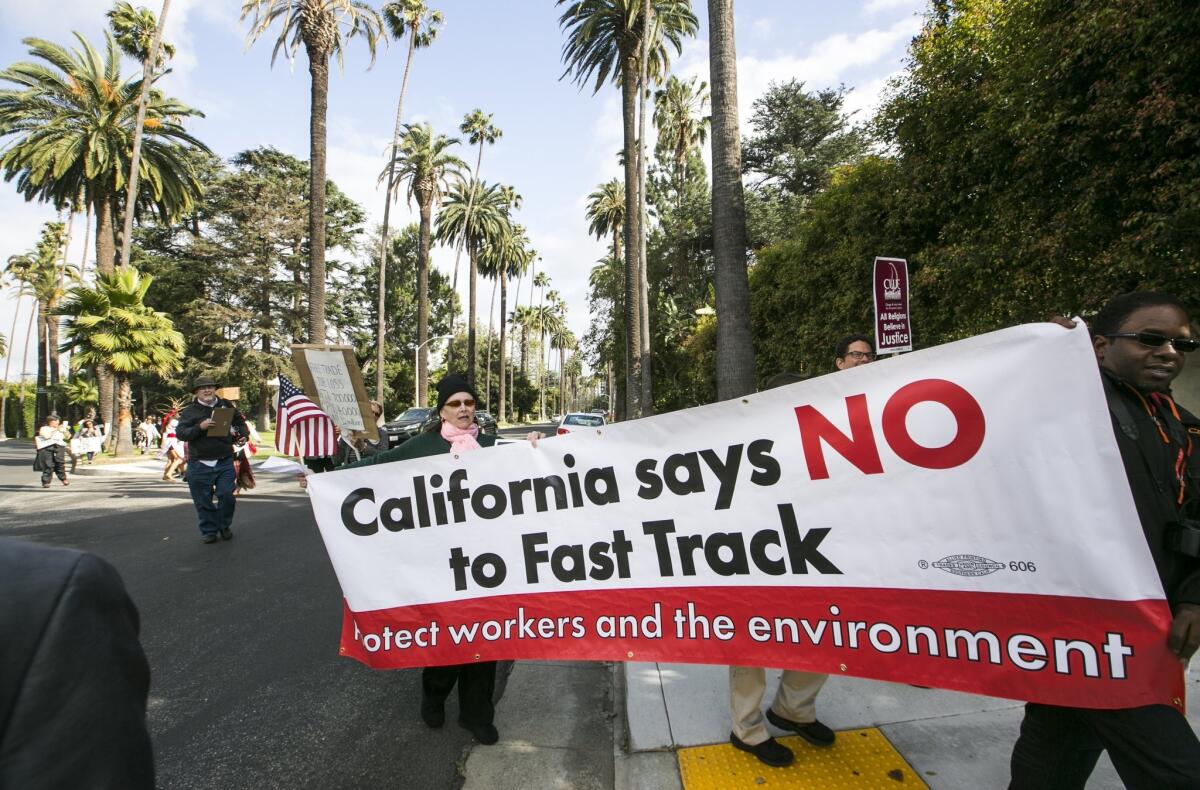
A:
(1141, 341)
(210, 467)
(73, 677)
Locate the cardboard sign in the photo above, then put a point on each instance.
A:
(222, 418)
(958, 517)
(893, 327)
(331, 378)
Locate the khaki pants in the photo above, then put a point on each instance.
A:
(795, 700)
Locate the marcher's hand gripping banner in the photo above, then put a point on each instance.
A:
(957, 517)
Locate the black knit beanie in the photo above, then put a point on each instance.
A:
(451, 384)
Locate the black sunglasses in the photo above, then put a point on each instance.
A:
(1184, 345)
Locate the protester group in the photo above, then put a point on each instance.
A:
(1141, 341)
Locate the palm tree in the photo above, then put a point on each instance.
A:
(139, 36)
(735, 346)
(479, 129)
(424, 161)
(111, 326)
(507, 257)
(563, 340)
(72, 120)
(606, 213)
(681, 123)
(324, 27)
(548, 320)
(414, 20)
(42, 278)
(472, 216)
(605, 39)
(12, 336)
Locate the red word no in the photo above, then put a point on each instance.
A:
(860, 448)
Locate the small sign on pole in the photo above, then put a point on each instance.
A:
(893, 325)
(331, 377)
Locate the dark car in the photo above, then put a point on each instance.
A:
(408, 424)
(485, 421)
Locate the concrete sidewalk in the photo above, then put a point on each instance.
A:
(951, 740)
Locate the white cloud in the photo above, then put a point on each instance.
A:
(764, 28)
(876, 6)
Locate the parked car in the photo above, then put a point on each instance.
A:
(408, 424)
(578, 420)
(485, 421)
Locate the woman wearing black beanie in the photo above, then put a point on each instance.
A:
(455, 431)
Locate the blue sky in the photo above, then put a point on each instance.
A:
(500, 55)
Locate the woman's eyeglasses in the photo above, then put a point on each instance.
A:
(1184, 345)
(454, 404)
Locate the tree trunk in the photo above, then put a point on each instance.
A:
(318, 68)
(633, 323)
(12, 338)
(136, 157)
(472, 290)
(25, 364)
(487, 389)
(42, 406)
(124, 427)
(643, 274)
(87, 223)
(264, 410)
(380, 350)
(503, 335)
(735, 346)
(105, 252)
(422, 371)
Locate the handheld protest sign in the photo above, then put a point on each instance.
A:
(331, 377)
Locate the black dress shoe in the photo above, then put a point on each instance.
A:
(211, 537)
(813, 731)
(484, 733)
(433, 713)
(226, 533)
(770, 752)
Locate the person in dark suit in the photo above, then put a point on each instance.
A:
(73, 677)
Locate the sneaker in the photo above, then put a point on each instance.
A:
(770, 752)
(433, 713)
(226, 533)
(210, 537)
(813, 731)
(484, 733)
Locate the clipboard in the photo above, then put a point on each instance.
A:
(222, 418)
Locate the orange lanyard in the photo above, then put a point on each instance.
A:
(1185, 452)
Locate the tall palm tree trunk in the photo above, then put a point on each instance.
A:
(423, 303)
(735, 346)
(264, 408)
(136, 157)
(643, 275)
(124, 427)
(633, 324)
(487, 389)
(502, 349)
(12, 336)
(318, 68)
(87, 224)
(105, 253)
(42, 406)
(25, 364)
(387, 208)
(471, 311)
(457, 255)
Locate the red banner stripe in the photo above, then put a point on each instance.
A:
(1104, 654)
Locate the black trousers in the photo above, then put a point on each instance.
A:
(476, 682)
(54, 460)
(1152, 748)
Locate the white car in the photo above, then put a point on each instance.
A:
(577, 420)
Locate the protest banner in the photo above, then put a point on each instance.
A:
(957, 517)
(893, 324)
(331, 378)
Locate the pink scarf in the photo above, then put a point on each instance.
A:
(460, 440)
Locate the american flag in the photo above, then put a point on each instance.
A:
(302, 429)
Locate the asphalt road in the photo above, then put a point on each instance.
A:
(247, 688)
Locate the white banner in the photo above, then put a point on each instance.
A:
(957, 517)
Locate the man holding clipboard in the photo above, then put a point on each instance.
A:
(211, 427)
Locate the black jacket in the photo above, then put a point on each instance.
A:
(200, 445)
(420, 446)
(73, 677)
(1149, 465)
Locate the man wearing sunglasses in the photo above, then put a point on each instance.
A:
(1141, 341)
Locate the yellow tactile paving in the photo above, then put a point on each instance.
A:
(859, 759)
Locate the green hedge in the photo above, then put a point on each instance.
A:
(17, 424)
